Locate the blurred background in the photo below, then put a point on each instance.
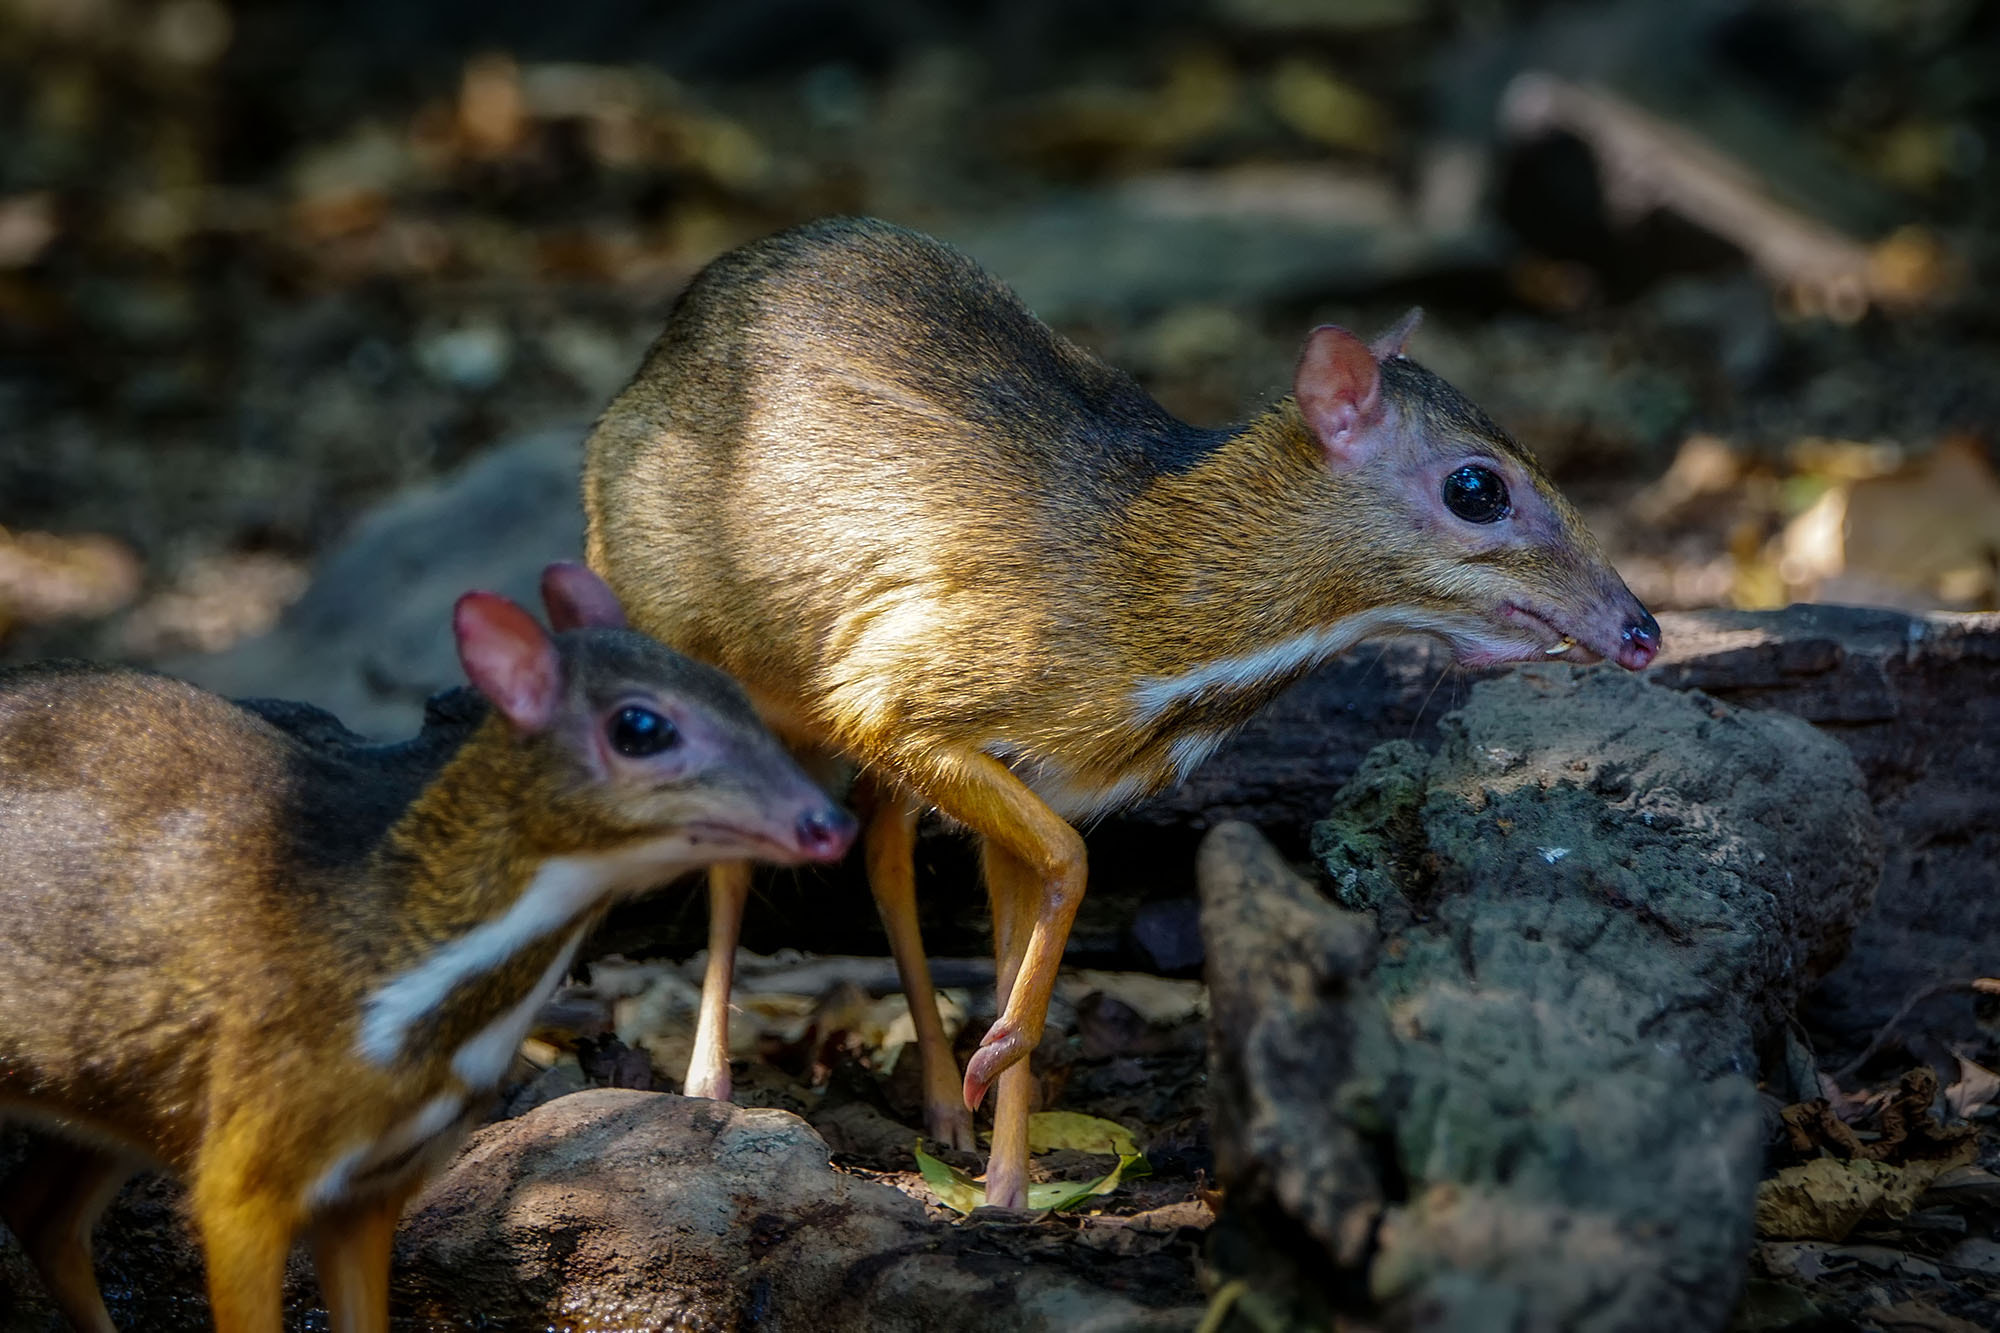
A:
(1727, 266)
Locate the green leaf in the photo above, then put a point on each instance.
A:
(961, 1193)
(955, 1189)
(1068, 1194)
(1085, 1133)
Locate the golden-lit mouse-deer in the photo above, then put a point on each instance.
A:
(929, 534)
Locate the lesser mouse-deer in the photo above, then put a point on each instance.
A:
(227, 954)
(931, 535)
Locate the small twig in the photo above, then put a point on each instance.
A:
(1978, 985)
(1647, 163)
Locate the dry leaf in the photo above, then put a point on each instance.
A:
(1811, 1126)
(27, 224)
(1826, 1199)
(1705, 466)
(1321, 105)
(46, 577)
(1084, 1133)
(1974, 1092)
(1162, 1001)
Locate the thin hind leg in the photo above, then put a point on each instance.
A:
(51, 1206)
(891, 841)
(1011, 885)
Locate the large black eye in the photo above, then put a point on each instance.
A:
(638, 732)
(1476, 494)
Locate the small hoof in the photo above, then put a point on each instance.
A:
(1012, 1200)
(951, 1125)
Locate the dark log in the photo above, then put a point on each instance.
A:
(1502, 1079)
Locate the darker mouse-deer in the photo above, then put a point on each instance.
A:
(224, 955)
(929, 534)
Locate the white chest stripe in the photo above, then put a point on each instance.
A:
(1187, 752)
(562, 889)
(482, 1061)
(1154, 695)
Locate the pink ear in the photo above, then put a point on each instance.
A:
(1338, 387)
(1392, 343)
(508, 659)
(577, 598)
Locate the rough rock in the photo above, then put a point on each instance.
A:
(614, 1209)
(1504, 1081)
(1915, 700)
(645, 1210)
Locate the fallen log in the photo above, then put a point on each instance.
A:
(1501, 1079)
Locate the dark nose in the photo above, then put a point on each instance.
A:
(824, 835)
(1642, 642)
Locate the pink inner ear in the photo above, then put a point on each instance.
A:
(1338, 388)
(508, 659)
(577, 599)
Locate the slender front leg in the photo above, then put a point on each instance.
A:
(978, 791)
(1033, 905)
(246, 1229)
(1012, 887)
(51, 1207)
(891, 841)
(351, 1254)
(708, 1065)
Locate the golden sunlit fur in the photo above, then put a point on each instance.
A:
(929, 534)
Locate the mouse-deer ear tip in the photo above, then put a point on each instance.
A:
(474, 603)
(578, 598)
(1396, 340)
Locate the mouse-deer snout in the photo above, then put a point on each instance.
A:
(1641, 640)
(826, 833)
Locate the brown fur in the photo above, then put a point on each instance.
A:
(927, 533)
(199, 906)
(857, 475)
